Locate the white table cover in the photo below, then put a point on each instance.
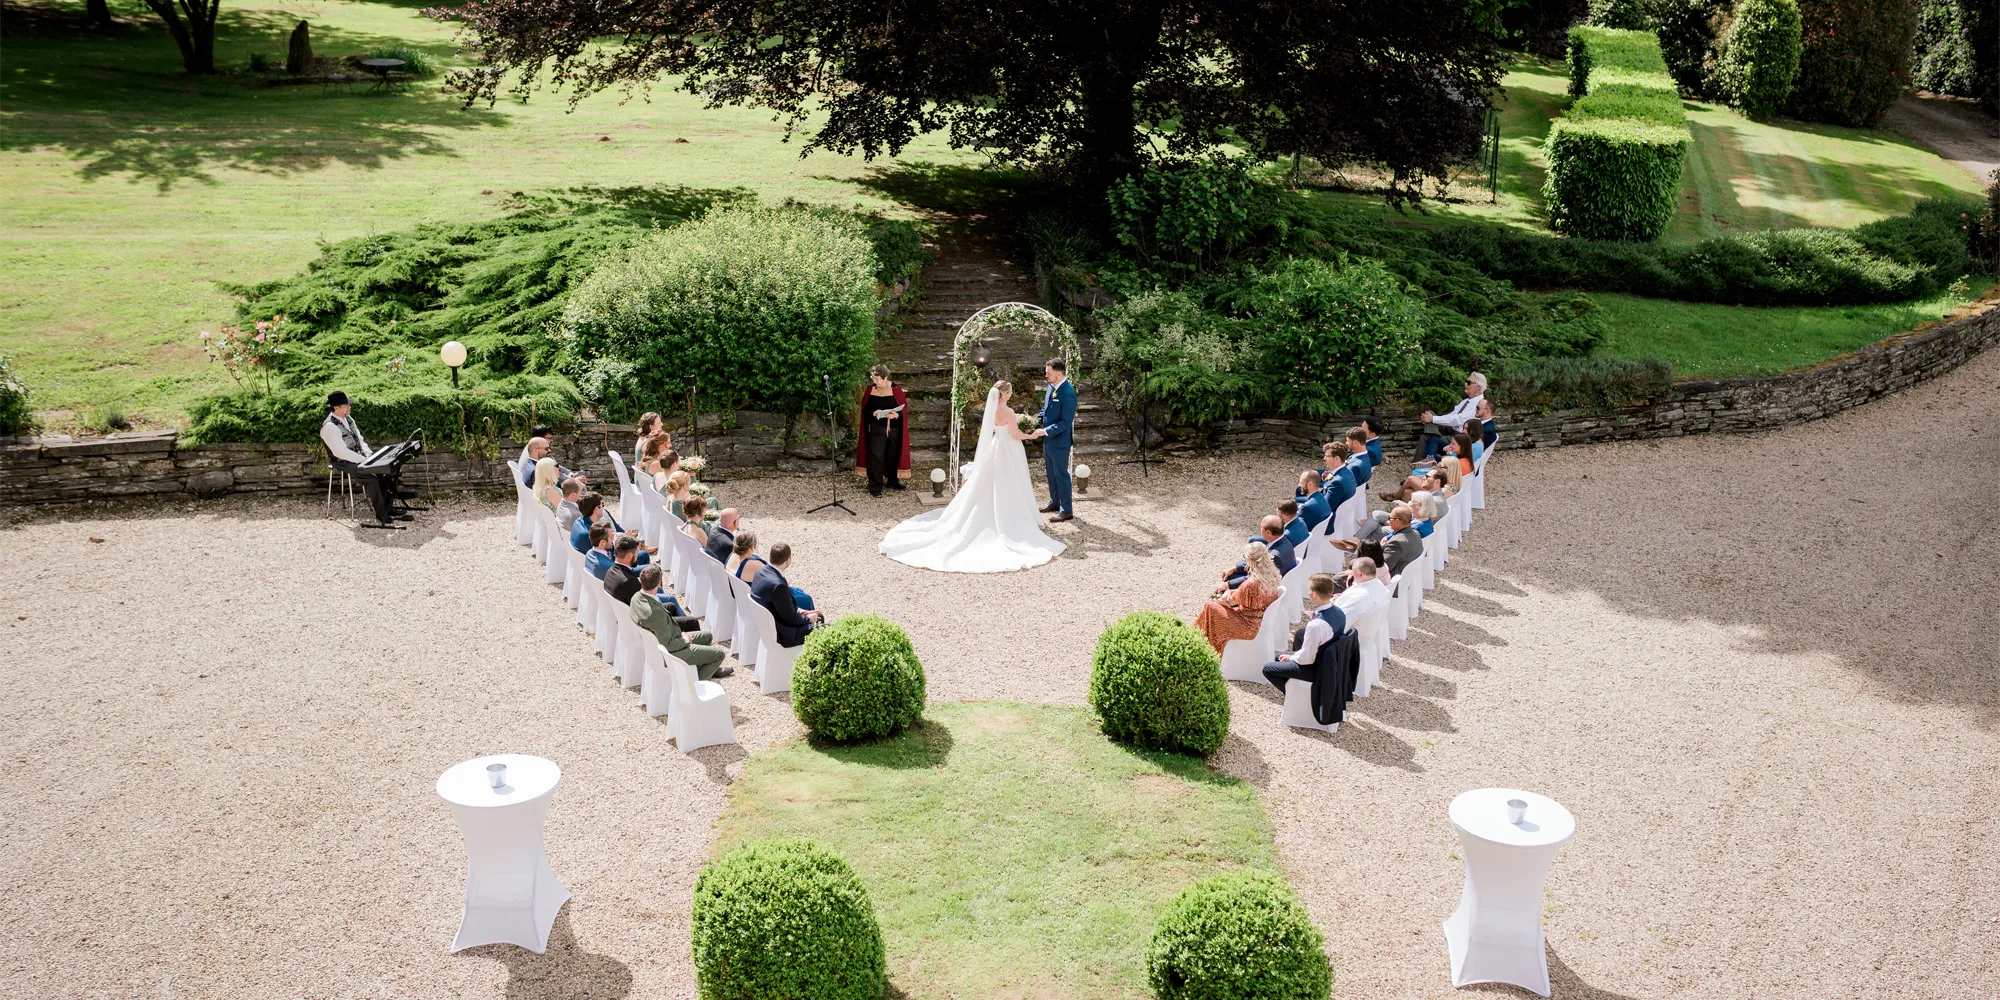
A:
(1495, 935)
(511, 896)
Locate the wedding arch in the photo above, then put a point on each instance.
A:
(967, 379)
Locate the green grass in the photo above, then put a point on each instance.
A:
(1702, 339)
(1011, 850)
(134, 192)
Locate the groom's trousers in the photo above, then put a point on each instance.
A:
(1055, 457)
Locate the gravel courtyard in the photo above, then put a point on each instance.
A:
(1762, 671)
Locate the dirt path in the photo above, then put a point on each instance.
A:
(1958, 130)
(1763, 671)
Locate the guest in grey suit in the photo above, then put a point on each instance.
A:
(1404, 545)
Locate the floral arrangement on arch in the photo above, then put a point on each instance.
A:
(247, 353)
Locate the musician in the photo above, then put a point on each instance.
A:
(349, 449)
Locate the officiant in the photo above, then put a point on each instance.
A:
(883, 450)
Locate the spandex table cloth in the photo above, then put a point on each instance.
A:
(1495, 936)
(511, 896)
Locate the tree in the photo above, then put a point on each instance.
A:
(1088, 89)
(192, 23)
(1856, 61)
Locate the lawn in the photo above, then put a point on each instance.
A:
(135, 194)
(1703, 339)
(1011, 850)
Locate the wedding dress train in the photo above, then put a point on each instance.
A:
(992, 526)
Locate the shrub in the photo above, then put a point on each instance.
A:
(416, 62)
(16, 415)
(1184, 216)
(1239, 936)
(785, 918)
(857, 679)
(1157, 684)
(1760, 56)
(1333, 333)
(1170, 349)
(1601, 384)
(1945, 59)
(1857, 59)
(758, 304)
(388, 406)
(1615, 159)
(1687, 40)
(1631, 14)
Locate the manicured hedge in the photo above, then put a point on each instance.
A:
(1157, 684)
(857, 679)
(1615, 159)
(785, 918)
(1239, 936)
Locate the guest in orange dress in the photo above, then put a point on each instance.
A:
(1237, 614)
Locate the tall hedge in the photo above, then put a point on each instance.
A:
(759, 305)
(1857, 59)
(1760, 56)
(1615, 159)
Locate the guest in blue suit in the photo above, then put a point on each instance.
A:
(591, 512)
(1296, 528)
(1357, 460)
(1374, 428)
(1272, 536)
(1338, 478)
(1058, 422)
(772, 591)
(598, 559)
(1311, 498)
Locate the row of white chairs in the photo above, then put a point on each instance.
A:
(1244, 659)
(697, 711)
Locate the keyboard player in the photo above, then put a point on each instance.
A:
(349, 450)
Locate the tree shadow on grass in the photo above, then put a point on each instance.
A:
(926, 744)
(964, 194)
(119, 104)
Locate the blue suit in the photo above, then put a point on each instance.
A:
(1313, 509)
(597, 561)
(1297, 530)
(1362, 470)
(1281, 553)
(1059, 420)
(1374, 451)
(579, 539)
(1337, 487)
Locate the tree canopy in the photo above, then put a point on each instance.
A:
(1087, 89)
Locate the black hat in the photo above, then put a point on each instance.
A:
(336, 398)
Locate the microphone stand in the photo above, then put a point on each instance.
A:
(826, 384)
(1144, 463)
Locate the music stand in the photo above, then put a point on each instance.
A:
(1144, 462)
(826, 384)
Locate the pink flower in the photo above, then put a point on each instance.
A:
(204, 334)
(260, 336)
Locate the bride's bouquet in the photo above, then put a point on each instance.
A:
(693, 464)
(1029, 422)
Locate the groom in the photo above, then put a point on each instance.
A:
(1058, 418)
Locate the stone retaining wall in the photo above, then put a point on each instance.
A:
(59, 469)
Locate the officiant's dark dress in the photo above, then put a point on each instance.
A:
(884, 449)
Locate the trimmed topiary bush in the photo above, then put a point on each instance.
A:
(857, 679)
(785, 918)
(1615, 159)
(1760, 56)
(1857, 59)
(1240, 936)
(1155, 683)
(758, 304)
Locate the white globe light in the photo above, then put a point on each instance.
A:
(453, 354)
(937, 475)
(1083, 471)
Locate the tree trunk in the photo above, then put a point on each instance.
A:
(299, 59)
(1111, 124)
(99, 12)
(195, 35)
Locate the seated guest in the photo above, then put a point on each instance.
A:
(1431, 479)
(546, 482)
(1366, 586)
(598, 559)
(771, 590)
(1311, 498)
(1239, 613)
(1358, 461)
(1467, 410)
(621, 578)
(678, 492)
(591, 511)
(1271, 534)
(1489, 432)
(673, 630)
(1426, 511)
(1374, 427)
(1337, 479)
(661, 462)
(649, 425)
(1296, 528)
(1403, 545)
(1458, 451)
(694, 528)
(1325, 626)
(566, 510)
(538, 449)
(722, 537)
(744, 563)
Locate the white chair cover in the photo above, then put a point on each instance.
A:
(1298, 712)
(700, 713)
(628, 511)
(1244, 659)
(774, 662)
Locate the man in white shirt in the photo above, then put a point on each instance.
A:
(1466, 412)
(347, 449)
(1364, 592)
(1325, 626)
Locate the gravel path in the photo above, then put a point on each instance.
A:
(1954, 128)
(1761, 670)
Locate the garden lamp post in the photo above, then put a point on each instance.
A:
(453, 356)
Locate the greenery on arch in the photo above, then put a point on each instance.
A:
(968, 382)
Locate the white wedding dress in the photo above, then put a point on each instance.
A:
(992, 526)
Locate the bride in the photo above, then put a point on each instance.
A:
(993, 524)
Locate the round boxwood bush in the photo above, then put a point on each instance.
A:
(1156, 683)
(857, 679)
(785, 918)
(1240, 936)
